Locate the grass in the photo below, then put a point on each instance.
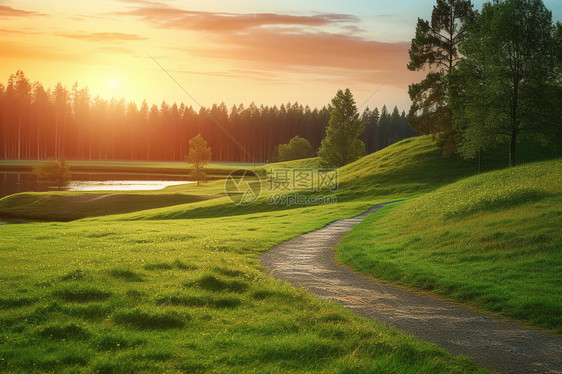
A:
(140, 300)
(416, 166)
(405, 169)
(216, 169)
(66, 206)
(178, 286)
(492, 240)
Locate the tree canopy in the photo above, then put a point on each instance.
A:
(435, 47)
(199, 154)
(45, 123)
(296, 149)
(504, 84)
(56, 172)
(342, 144)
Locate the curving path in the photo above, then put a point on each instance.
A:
(309, 261)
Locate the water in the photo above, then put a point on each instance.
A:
(121, 185)
(14, 182)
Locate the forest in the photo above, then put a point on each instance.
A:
(61, 123)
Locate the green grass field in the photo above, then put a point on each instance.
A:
(492, 240)
(174, 284)
(183, 295)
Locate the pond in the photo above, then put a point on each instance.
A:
(14, 182)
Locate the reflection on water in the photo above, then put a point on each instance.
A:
(14, 182)
(123, 185)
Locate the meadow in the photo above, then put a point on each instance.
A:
(185, 295)
(491, 240)
(179, 287)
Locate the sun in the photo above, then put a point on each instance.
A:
(113, 84)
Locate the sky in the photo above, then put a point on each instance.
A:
(219, 51)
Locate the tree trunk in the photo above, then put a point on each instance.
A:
(19, 138)
(56, 136)
(512, 149)
(480, 161)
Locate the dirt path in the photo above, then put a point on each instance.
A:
(309, 261)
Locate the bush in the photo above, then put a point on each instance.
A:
(297, 149)
(54, 171)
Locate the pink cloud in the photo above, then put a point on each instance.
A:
(6, 11)
(104, 36)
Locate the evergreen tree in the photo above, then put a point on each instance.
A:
(435, 46)
(558, 41)
(384, 125)
(62, 123)
(342, 144)
(22, 89)
(370, 120)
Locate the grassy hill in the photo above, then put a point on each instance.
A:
(414, 166)
(179, 287)
(402, 170)
(491, 240)
(63, 206)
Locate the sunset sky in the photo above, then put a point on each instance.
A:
(220, 50)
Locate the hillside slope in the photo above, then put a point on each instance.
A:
(491, 240)
(402, 170)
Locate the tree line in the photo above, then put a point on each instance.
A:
(61, 123)
(494, 75)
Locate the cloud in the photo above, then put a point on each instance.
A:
(6, 11)
(167, 17)
(144, 2)
(310, 46)
(248, 74)
(16, 32)
(104, 36)
(279, 41)
(302, 49)
(113, 49)
(21, 51)
(352, 29)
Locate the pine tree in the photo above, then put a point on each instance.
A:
(342, 144)
(435, 46)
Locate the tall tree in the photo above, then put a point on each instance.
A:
(503, 87)
(61, 123)
(21, 89)
(342, 144)
(199, 154)
(558, 40)
(60, 98)
(81, 114)
(40, 107)
(435, 46)
(3, 110)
